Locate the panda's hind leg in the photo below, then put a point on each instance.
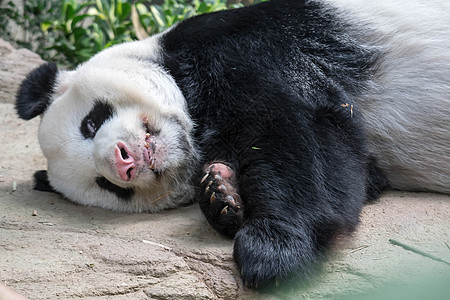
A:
(219, 198)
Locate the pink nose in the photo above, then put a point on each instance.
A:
(125, 162)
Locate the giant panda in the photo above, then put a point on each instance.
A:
(281, 119)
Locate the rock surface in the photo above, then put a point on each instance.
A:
(14, 65)
(51, 248)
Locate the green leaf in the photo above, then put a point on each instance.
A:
(111, 13)
(79, 18)
(85, 54)
(93, 11)
(45, 26)
(120, 30)
(189, 13)
(158, 15)
(126, 11)
(79, 33)
(70, 11)
(203, 7)
(141, 8)
(99, 5)
(68, 45)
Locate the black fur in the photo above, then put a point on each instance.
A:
(123, 193)
(377, 182)
(34, 94)
(271, 90)
(42, 183)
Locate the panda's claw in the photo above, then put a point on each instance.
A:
(204, 178)
(224, 211)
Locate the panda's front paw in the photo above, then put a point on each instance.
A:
(219, 199)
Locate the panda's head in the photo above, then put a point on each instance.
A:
(115, 131)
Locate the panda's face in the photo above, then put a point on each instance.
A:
(117, 135)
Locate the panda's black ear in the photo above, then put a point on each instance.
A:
(34, 94)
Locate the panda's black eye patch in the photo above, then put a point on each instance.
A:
(95, 118)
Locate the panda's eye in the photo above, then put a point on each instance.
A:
(95, 119)
(91, 126)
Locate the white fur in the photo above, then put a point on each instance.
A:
(407, 110)
(129, 78)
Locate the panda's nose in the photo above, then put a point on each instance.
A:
(125, 162)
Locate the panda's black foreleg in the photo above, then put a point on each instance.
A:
(289, 223)
(271, 252)
(280, 245)
(275, 242)
(219, 199)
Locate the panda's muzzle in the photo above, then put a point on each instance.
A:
(125, 162)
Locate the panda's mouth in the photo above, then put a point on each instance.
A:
(150, 150)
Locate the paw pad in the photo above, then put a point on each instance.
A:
(219, 199)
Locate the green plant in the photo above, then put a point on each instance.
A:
(28, 17)
(67, 35)
(8, 12)
(113, 18)
(156, 18)
(85, 29)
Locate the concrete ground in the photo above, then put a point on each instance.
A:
(51, 248)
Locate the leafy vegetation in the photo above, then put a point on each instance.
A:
(85, 29)
(28, 18)
(156, 18)
(71, 31)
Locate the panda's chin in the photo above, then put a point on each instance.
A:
(122, 193)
